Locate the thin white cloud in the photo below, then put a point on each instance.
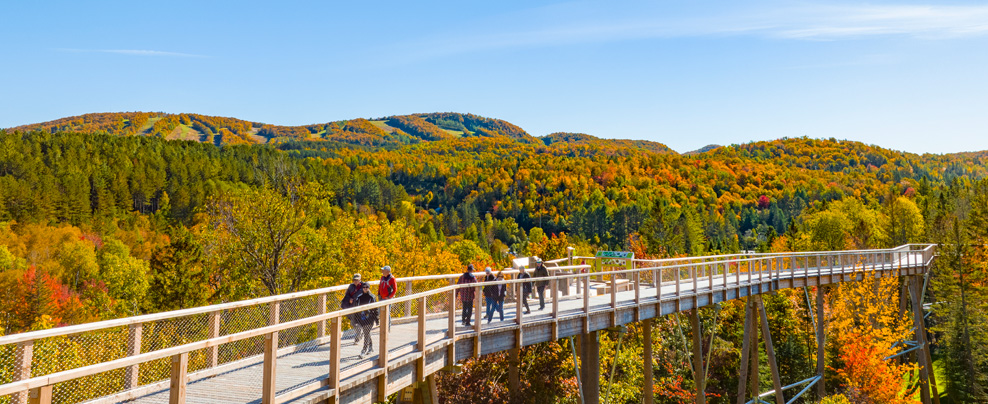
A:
(804, 21)
(136, 52)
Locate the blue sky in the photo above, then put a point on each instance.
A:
(904, 75)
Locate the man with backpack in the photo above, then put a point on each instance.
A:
(491, 293)
(466, 294)
(541, 272)
(526, 288)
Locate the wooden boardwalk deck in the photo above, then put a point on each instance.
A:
(242, 383)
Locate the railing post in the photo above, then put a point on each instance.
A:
(451, 327)
(321, 309)
(555, 309)
(678, 282)
(40, 395)
(586, 303)
(696, 288)
(22, 371)
(478, 320)
(335, 349)
(270, 369)
(408, 305)
(638, 293)
(727, 272)
(180, 367)
(213, 352)
(420, 362)
(132, 375)
(657, 277)
(382, 356)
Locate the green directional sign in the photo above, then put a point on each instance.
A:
(616, 254)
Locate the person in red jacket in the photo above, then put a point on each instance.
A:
(388, 286)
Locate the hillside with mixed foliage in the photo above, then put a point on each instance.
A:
(110, 215)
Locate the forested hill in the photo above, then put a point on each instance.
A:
(388, 131)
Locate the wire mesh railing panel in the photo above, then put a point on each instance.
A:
(7, 360)
(173, 332)
(239, 320)
(56, 354)
(296, 309)
(89, 387)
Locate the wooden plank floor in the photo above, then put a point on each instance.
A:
(243, 384)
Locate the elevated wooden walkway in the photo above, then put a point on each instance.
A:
(299, 348)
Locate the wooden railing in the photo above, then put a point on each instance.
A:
(202, 342)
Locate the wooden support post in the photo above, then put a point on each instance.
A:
(335, 350)
(753, 369)
(648, 388)
(132, 373)
(451, 327)
(590, 367)
(270, 369)
(426, 391)
(924, 372)
(555, 309)
(586, 303)
(745, 352)
(420, 362)
(40, 395)
(698, 376)
(820, 342)
(382, 355)
(213, 352)
(274, 313)
(22, 370)
(180, 368)
(408, 305)
(657, 278)
(321, 309)
(478, 316)
(696, 286)
(514, 380)
(770, 352)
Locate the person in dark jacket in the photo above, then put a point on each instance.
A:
(466, 294)
(502, 290)
(366, 319)
(526, 288)
(490, 294)
(350, 300)
(541, 272)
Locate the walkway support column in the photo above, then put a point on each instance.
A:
(647, 340)
(700, 379)
(821, 340)
(590, 367)
(924, 388)
(514, 381)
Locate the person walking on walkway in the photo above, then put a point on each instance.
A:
(541, 272)
(466, 294)
(502, 290)
(387, 288)
(526, 288)
(350, 300)
(366, 319)
(490, 294)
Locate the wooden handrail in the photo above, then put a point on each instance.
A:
(926, 252)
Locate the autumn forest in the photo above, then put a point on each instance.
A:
(111, 215)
